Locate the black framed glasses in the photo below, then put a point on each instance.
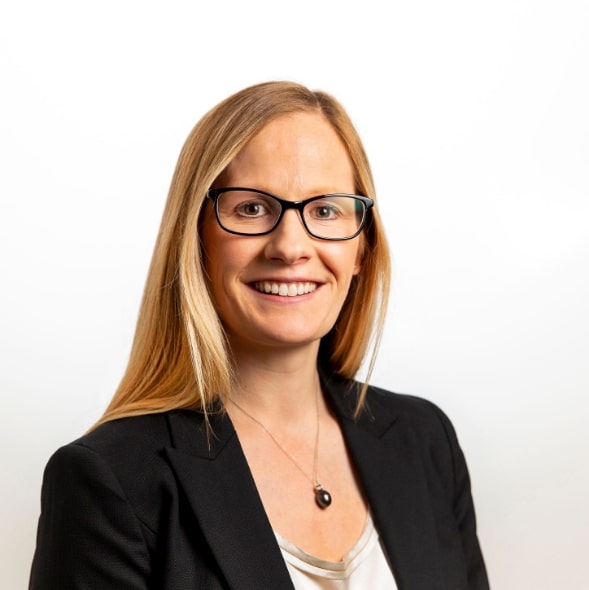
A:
(252, 212)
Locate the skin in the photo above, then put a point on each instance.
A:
(275, 339)
(294, 157)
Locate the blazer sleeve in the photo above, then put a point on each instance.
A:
(88, 536)
(464, 511)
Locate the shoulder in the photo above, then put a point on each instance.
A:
(136, 439)
(415, 422)
(398, 420)
(382, 408)
(415, 416)
(417, 425)
(118, 442)
(127, 456)
(147, 431)
(412, 409)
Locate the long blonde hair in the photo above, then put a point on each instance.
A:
(180, 356)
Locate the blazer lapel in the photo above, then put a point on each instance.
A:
(221, 491)
(384, 454)
(222, 494)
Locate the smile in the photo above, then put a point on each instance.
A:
(285, 289)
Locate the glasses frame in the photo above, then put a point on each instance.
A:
(215, 193)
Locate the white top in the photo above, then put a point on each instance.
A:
(364, 566)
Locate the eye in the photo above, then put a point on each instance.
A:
(251, 209)
(324, 211)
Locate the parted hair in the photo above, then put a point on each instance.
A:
(180, 357)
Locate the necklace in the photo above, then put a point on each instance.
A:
(322, 496)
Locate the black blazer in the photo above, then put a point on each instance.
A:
(147, 502)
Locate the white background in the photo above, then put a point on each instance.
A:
(475, 117)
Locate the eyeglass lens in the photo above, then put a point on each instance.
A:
(250, 212)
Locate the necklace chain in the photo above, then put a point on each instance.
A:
(313, 480)
(322, 497)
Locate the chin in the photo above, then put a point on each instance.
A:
(282, 339)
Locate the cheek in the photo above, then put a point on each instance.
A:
(347, 259)
(213, 255)
(225, 257)
(217, 264)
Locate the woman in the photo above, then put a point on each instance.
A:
(238, 452)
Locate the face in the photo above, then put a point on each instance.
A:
(285, 288)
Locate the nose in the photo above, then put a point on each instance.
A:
(290, 241)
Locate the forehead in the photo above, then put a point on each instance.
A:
(295, 152)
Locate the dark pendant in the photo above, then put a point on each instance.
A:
(322, 497)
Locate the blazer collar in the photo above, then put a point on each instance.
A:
(376, 416)
(214, 474)
(386, 452)
(188, 431)
(220, 489)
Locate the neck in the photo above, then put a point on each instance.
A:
(279, 385)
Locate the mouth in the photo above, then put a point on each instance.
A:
(285, 289)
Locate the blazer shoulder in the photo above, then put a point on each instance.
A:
(383, 408)
(416, 417)
(418, 410)
(131, 452)
(148, 431)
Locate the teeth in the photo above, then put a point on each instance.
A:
(285, 289)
